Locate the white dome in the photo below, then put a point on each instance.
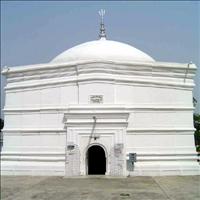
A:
(102, 50)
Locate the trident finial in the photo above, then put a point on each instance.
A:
(102, 33)
(102, 13)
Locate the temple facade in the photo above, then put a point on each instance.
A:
(102, 107)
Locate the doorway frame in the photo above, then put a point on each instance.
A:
(86, 157)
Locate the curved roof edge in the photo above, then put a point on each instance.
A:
(42, 66)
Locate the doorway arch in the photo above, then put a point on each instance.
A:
(96, 160)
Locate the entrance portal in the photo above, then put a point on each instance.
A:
(96, 160)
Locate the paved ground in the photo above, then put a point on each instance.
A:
(100, 188)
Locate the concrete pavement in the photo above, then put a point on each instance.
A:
(100, 188)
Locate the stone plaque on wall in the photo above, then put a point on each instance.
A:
(72, 161)
(96, 99)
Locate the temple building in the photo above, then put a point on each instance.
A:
(102, 107)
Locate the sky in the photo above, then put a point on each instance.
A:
(34, 32)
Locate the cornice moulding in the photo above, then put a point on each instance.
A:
(96, 70)
(91, 108)
(163, 154)
(103, 79)
(128, 130)
(160, 131)
(12, 153)
(46, 66)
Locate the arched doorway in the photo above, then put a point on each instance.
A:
(96, 160)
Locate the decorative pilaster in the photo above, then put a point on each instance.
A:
(117, 160)
(72, 165)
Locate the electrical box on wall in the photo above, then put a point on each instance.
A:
(130, 162)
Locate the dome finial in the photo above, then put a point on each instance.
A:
(102, 33)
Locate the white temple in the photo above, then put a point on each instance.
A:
(102, 107)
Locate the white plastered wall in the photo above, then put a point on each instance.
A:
(151, 107)
(88, 89)
(152, 96)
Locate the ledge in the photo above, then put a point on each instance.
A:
(102, 78)
(46, 66)
(102, 108)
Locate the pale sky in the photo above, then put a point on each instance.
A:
(36, 31)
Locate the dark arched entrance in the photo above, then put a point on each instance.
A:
(96, 160)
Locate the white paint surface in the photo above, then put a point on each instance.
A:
(102, 49)
(147, 107)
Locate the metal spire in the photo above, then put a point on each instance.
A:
(102, 33)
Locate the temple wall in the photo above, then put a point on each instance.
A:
(138, 112)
